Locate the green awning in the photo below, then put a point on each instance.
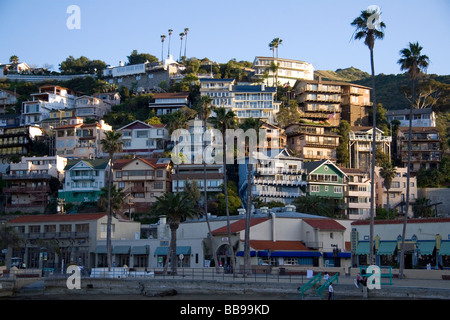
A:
(363, 248)
(387, 248)
(121, 250)
(100, 250)
(139, 250)
(162, 251)
(444, 250)
(426, 247)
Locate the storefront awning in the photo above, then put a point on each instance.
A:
(241, 253)
(363, 248)
(444, 250)
(294, 254)
(387, 248)
(100, 250)
(139, 250)
(426, 247)
(162, 251)
(121, 250)
(340, 255)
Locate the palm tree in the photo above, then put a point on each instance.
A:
(178, 120)
(414, 63)
(370, 34)
(111, 144)
(163, 37)
(177, 207)
(388, 173)
(249, 123)
(205, 113)
(181, 46)
(117, 198)
(170, 36)
(224, 120)
(276, 42)
(186, 30)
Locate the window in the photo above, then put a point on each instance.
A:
(158, 185)
(50, 228)
(65, 228)
(83, 227)
(315, 188)
(141, 134)
(338, 189)
(34, 229)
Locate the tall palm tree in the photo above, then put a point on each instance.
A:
(370, 34)
(249, 123)
(178, 120)
(273, 66)
(163, 37)
(111, 144)
(170, 36)
(117, 198)
(388, 173)
(414, 62)
(224, 120)
(276, 42)
(181, 45)
(177, 207)
(205, 113)
(186, 30)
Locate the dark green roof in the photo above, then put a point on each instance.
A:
(96, 164)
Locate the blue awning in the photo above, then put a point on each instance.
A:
(363, 248)
(100, 250)
(387, 248)
(444, 249)
(426, 247)
(340, 255)
(241, 253)
(121, 250)
(162, 251)
(289, 254)
(139, 250)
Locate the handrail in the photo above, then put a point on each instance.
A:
(334, 278)
(310, 283)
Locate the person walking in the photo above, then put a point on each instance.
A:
(330, 292)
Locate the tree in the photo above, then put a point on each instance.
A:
(388, 173)
(81, 65)
(342, 152)
(414, 62)
(422, 208)
(367, 31)
(224, 120)
(111, 144)
(177, 207)
(117, 199)
(249, 124)
(170, 36)
(14, 59)
(274, 44)
(314, 205)
(181, 46)
(137, 58)
(163, 37)
(205, 112)
(186, 30)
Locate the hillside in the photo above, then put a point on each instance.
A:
(387, 86)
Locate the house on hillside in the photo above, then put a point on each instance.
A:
(325, 179)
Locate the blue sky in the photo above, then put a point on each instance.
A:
(317, 31)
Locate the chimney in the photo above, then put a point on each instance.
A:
(274, 226)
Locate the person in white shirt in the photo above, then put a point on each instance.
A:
(330, 292)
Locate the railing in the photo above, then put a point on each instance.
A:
(333, 279)
(316, 279)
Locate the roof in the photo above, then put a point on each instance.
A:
(277, 245)
(406, 111)
(93, 163)
(239, 225)
(253, 88)
(216, 80)
(400, 221)
(137, 124)
(325, 224)
(313, 165)
(169, 95)
(363, 128)
(153, 162)
(58, 218)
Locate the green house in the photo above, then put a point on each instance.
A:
(325, 179)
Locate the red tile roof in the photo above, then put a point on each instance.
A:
(277, 245)
(238, 226)
(324, 224)
(57, 218)
(120, 163)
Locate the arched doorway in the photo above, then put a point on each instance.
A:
(223, 256)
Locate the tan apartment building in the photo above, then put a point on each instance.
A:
(357, 194)
(319, 100)
(312, 141)
(142, 180)
(397, 192)
(426, 147)
(80, 140)
(355, 104)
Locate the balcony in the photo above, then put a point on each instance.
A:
(277, 194)
(31, 176)
(83, 177)
(17, 189)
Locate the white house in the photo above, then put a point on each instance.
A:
(140, 138)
